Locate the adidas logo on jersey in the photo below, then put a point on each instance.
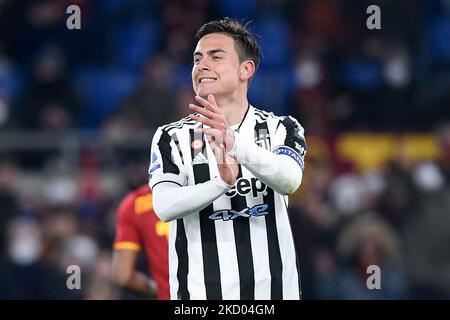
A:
(199, 159)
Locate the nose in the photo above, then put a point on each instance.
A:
(203, 64)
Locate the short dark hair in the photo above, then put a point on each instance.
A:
(245, 42)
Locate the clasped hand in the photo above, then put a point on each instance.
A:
(219, 134)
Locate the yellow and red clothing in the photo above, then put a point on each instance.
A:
(138, 226)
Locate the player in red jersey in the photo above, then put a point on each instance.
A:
(138, 226)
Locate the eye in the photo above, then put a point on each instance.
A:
(216, 57)
(196, 60)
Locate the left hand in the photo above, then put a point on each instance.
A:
(219, 131)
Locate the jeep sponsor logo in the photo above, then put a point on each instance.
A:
(244, 186)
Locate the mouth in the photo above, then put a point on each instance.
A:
(204, 80)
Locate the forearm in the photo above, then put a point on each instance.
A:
(141, 284)
(172, 202)
(280, 172)
(125, 276)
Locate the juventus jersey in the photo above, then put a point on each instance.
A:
(241, 245)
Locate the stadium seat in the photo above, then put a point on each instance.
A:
(101, 92)
(280, 82)
(273, 36)
(236, 8)
(439, 40)
(361, 74)
(133, 43)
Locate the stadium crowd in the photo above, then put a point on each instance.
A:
(78, 109)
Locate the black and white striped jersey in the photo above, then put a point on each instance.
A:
(241, 245)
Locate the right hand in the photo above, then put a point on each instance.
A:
(228, 166)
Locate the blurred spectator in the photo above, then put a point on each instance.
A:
(368, 241)
(26, 25)
(426, 241)
(81, 251)
(24, 275)
(9, 81)
(427, 231)
(9, 204)
(4, 110)
(443, 137)
(58, 227)
(101, 286)
(154, 102)
(48, 101)
(348, 195)
(180, 21)
(315, 229)
(399, 196)
(124, 73)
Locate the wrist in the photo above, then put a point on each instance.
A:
(222, 184)
(233, 151)
(152, 286)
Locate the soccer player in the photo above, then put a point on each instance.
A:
(137, 226)
(222, 176)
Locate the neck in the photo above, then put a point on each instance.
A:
(234, 109)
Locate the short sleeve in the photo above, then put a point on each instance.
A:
(292, 140)
(127, 235)
(165, 161)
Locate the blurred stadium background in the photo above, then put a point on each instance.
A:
(78, 109)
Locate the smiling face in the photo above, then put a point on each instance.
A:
(216, 67)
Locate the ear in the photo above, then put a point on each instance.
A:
(247, 70)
